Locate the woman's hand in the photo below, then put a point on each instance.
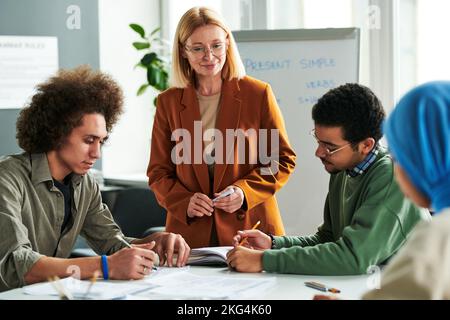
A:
(200, 205)
(230, 203)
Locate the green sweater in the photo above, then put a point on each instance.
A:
(366, 220)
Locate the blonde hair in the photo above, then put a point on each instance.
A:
(182, 73)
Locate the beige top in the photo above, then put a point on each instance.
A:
(209, 108)
(421, 269)
(32, 213)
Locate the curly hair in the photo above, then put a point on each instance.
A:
(353, 107)
(61, 102)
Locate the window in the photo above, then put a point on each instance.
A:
(118, 56)
(423, 47)
(433, 45)
(327, 13)
(173, 10)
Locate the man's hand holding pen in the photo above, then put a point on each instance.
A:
(132, 263)
(254, 239)
(140, 257)
(248, 250)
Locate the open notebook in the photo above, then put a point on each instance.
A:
(209, 256)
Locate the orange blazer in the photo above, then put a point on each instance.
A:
(245, 104)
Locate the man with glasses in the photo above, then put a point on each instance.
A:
(366, 217)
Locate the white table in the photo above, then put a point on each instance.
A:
(288, 287)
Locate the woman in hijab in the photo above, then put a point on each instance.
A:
(418, 133)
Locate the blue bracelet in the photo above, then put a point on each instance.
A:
(105, 267)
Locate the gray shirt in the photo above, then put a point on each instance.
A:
(32, 213)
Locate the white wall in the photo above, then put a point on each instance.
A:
(117, 57)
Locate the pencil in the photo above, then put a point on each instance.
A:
(253, 228)
(63, 293)
(93, 279)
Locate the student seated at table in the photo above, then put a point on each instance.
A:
(47, 198)
(418, 133)
(366, 217)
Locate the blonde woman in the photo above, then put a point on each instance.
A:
(207, 139)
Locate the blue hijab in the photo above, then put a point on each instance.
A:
(418, 133)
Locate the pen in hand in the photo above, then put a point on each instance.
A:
(118, 237)
(253, 228)
(226, 193)
(123, 241)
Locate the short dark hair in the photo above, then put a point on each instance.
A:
(61, 102)
(353, 107)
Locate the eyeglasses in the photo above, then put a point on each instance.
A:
(329, 152)
(217, 49)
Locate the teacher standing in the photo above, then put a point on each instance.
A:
(214, 132)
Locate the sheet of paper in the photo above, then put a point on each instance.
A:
(158, 277)
(185, 285)
(166, 283)
(24, 63)
(99, 290)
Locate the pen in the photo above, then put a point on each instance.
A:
(123, 241)
(321, 287)
(253, 228)
(226, 193)
(129, 246)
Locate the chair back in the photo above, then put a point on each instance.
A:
(136, 210)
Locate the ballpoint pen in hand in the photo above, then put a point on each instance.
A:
(226, 193)
(253, 228)
(118, 237)
(123, 241)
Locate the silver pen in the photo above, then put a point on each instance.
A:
(226, 193)
(125, 242)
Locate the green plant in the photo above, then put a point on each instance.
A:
(153, 61)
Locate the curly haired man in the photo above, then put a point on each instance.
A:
(47, 197)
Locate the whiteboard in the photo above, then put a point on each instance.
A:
(25, 61)
(301, 65)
